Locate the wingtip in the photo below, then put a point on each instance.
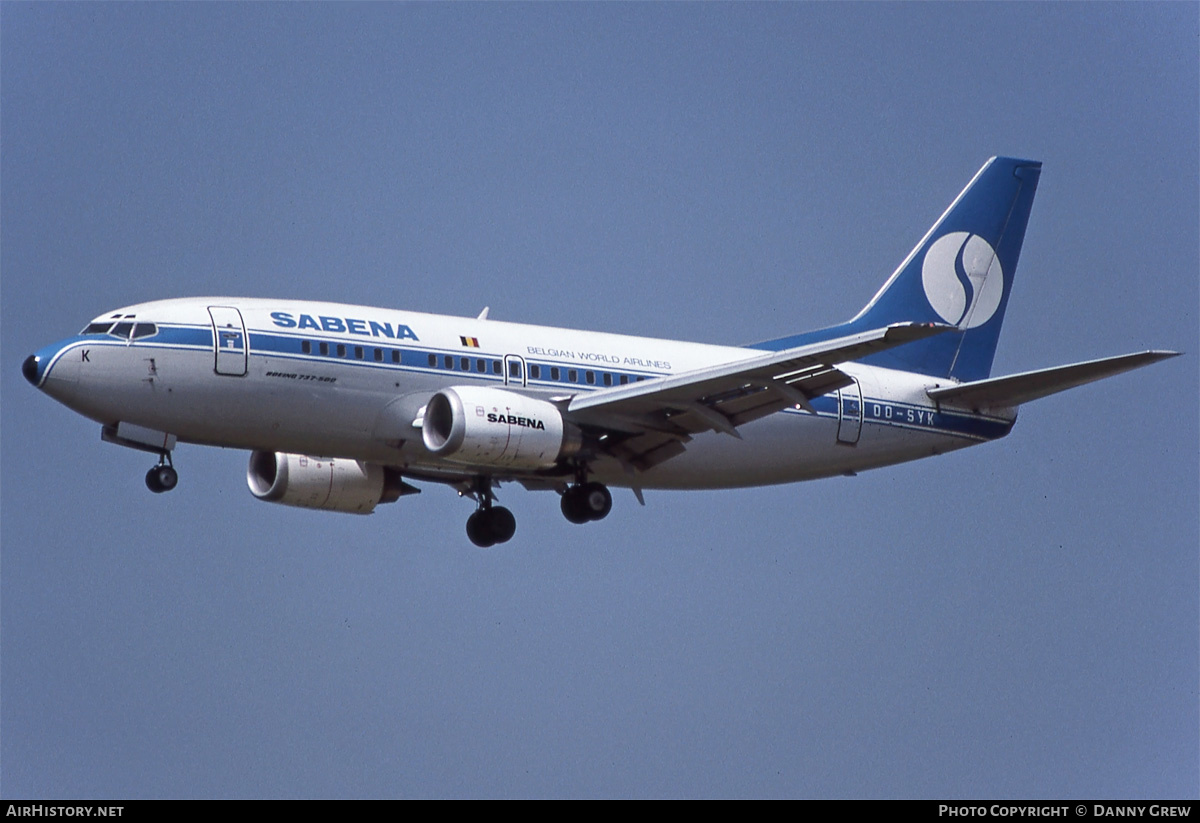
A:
(1155, 355)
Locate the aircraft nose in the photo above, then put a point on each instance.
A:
(30, 369)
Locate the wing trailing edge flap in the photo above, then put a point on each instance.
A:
(652, 420)
(1015, 389)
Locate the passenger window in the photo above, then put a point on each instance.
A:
(624, 379)
(496, 367)
(448, 361)
(465, 364)
(341, 350)
(554, 373)
(590, 376)
(535, 371)
(379, 355)
(395, 355)
(358, 352)
(481, 366)
(433, 361)
(306, 346)
(325, 349)
(572, 376)
(607, 379)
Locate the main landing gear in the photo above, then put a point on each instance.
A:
(490, 524)
(163, 477)
(586, 501)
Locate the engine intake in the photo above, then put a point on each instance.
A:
(492, 427)
(329, 483)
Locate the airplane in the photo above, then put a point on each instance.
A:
(341, 406)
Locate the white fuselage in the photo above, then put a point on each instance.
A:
(350, 381)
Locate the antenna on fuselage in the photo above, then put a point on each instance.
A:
(483, 314)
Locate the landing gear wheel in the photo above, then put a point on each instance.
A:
(487, 527)
(162, 479)
(587, 501)
(572, 506)
(501, 523)
(597, 501)
(490, 524)
(478, 531)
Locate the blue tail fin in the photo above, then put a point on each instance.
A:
(960, 273)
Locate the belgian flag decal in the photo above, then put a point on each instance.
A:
(470, 342)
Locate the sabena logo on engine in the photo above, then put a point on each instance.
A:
(514, 420)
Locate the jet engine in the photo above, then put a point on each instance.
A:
(329, 483)
(480, 426)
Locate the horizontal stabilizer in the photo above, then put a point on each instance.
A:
(1003, 392)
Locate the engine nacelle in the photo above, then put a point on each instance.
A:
(329, 483)
(479, 426)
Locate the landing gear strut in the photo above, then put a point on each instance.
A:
(489, 524)
(586, 501)
(163, 477)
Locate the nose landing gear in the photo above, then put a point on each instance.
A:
(163, 477)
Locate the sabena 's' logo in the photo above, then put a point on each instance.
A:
(963, 279)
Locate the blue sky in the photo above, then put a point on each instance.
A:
(1016, 620)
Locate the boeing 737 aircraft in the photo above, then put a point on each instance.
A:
(341, 406)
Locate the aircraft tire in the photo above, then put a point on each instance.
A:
(479, 531)
(168, 478)
(596, 500)
(162, 479)
(501, 524)
(573, 506)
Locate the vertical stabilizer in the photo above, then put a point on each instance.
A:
(961, 273)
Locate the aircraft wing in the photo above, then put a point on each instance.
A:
(649, 422)
(1016, 389)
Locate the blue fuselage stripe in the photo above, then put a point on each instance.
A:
(876, 411)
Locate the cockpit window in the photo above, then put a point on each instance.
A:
(125, 330)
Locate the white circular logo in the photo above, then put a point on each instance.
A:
(963, 279)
